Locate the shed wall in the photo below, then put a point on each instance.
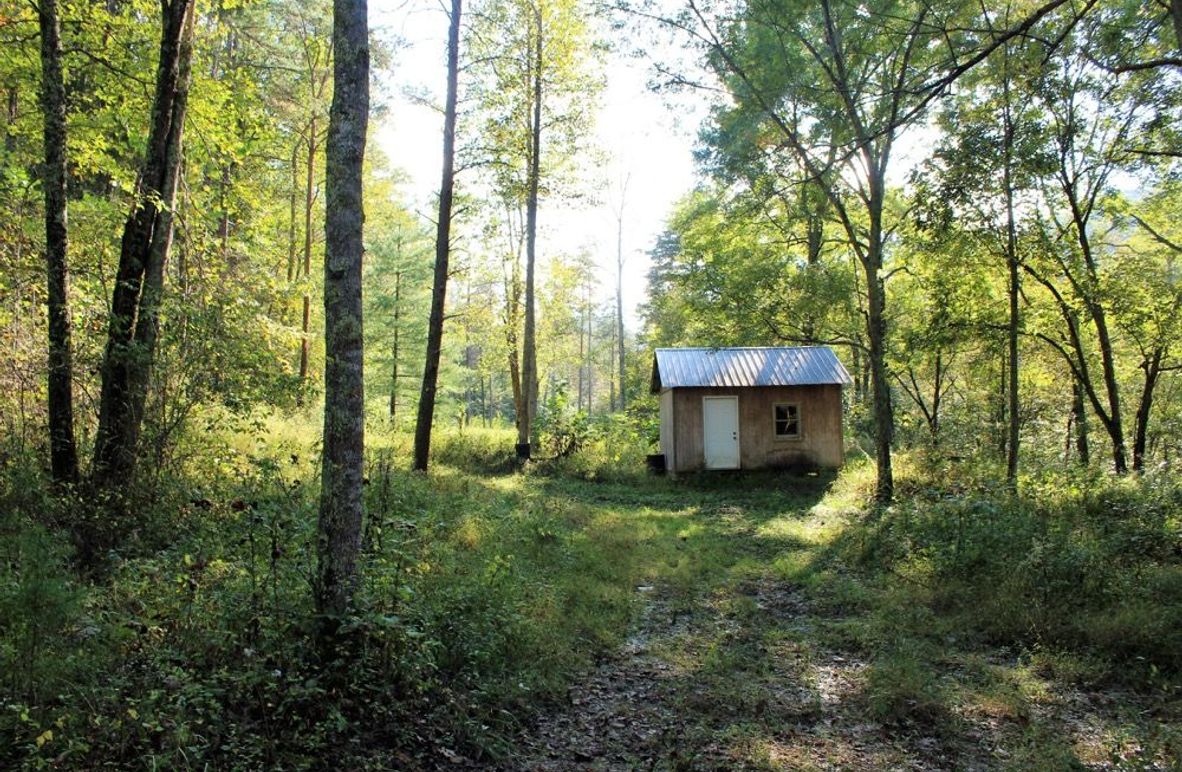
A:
(667, 444)
(820, 443)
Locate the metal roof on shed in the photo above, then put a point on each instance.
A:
(676, 368)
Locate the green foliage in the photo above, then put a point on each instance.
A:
(1078, 563)
(489, 450)
(563, 428)
(609, 448)
(902, 685)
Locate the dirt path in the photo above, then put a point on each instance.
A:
(620, 714)
(742, 683)
(656, 705)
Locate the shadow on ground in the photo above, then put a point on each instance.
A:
(741, 658)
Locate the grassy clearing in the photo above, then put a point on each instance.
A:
(788, 627)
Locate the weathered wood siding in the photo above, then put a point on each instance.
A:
(820, 443)
(667, 444)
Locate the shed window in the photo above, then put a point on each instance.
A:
(787, 421)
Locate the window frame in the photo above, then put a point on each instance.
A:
(776, 435)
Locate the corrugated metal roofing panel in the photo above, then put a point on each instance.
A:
(750, 366)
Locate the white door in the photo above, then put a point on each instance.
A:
(720, 429)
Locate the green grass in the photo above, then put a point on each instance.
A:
(800, 628)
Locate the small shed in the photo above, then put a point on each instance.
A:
(750, 408)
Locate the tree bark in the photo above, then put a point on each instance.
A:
(147, 239)
(1176, 15)
(512, 314)
(394, 353)
(1014, 288)
(1152, 367)
(529, 365)
(1079, 413)
(442, 248)
(884, 419)
(63, 452)
(309, 201)
(292, 205)
(1087, 289)
(339, 528)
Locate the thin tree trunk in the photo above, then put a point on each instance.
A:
(1176, 14)
(442, 248)
(937, 399)
(60, 396)
(224, 221)
(1080, 414)
(1002, 405)
(1014, 288)
(1152, 369)
(590, 353)
(309, 200)
(856, 353)
(512, 313)
(1112, 417)
(529, 366)
(293, 207)
(583, 358)
(339, 528)
(394, 369)
(147, 238)
(612, 384)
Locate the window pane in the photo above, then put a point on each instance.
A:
(786, 420)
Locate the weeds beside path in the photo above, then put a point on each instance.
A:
(755, 657)
(593, 617)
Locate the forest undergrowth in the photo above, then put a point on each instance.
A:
(489, 591)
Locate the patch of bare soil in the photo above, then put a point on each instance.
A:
(618, 716)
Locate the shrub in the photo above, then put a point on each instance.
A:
(1083, 562)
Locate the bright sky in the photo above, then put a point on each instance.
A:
(645, 139)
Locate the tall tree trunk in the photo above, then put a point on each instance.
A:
(529, 365)
(937, 399)
(292, 206)
(1003, 374)
(442, 247)
(1087, 289)
(309, 200)
(884, 419)
(63, 452)
(1014, 287)
(584, 360)
(590, 353)
(1013, 329)
(339, 528)
(147, 238)
(394, 353)
(512, 314)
